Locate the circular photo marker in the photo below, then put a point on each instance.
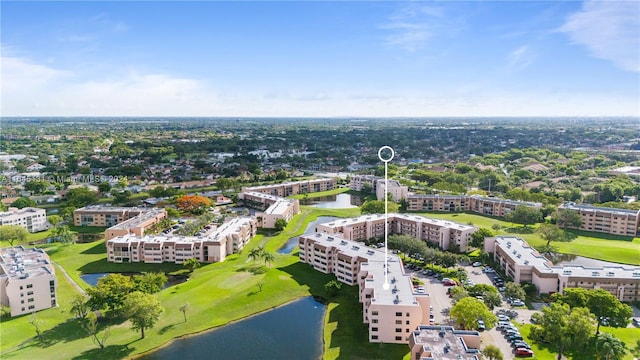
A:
(390, 155)
(385, 286)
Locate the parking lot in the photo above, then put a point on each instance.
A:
(441, 304)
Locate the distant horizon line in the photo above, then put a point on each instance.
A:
(318, 117)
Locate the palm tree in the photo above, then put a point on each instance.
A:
(184, 307)
(268, 257)
(256, 253)
(609, 347)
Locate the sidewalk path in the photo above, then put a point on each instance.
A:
(75, 284)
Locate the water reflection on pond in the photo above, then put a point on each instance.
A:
(292, 331)
(311, 228)
(340, 201)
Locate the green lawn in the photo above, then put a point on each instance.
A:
(320, 194)
(544, 352)
(231, 285)
(592, 245)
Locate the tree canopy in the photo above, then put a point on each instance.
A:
(565, 328)
(601, 303)
(377, 207)
(142, 309)
(23, 202)
(194, 204)
(525, 215)
(14, 234)
(468, 311)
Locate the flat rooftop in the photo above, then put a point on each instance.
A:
(506, 201)
(20, 263)
(16, 211)
(279, 207)
(262, 195)
(401, 288)
(445, 343)
(589, 208)
(104, 208)
(396, 216)
(523, 253)
(141, 218)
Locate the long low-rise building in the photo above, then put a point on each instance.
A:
(274, 207)
(295, 187)
(215, 246)
(30, 218)
(445, 234)
(120, 220)
(523, 263)
(471, 203)
(392, 313)
(27, 280)
(605, 220)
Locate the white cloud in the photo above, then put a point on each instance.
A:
(610, 30)
(21, 74)
(411, 26)
(520, 58)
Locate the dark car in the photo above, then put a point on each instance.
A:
(520, 344)
(515, 337)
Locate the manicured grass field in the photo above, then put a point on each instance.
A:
(217, 294)
(592, 245)
(320, 194)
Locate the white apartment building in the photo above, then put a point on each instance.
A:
(274, 207)
(295, 187)
(214, 246)
(391, 314)
(442, 233)
(474, 203)
(606, 220)
(27, 280)
(32, 219)
(524, 264)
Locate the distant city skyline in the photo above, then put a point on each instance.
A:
(320, 59)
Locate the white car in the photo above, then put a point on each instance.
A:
(517, 302)
(476, 264)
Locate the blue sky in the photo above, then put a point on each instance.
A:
(316, 58)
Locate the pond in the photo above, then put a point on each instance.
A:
(292, 331)
(340, 201)
(288, 247)
(92, 279)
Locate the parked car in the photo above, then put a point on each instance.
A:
(503, 317)
(520, 344)
(517, 302)
(514, 338)
(476, 264)
(448, 283)
(502, 324)
(523, 352)
(481, 326)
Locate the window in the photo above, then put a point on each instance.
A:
(407, 314)
(398, 314)
(374, 313)
(373, 337)
(398, 330)
(374, 321)
(374, 329)
(398, 322)
(29, 286)
(398, 338)
(30, 300)
(407, 322)
(31, 307)
(20, 287)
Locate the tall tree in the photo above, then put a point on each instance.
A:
(91, 326)
(256, 253)
(468, 311)
(149, 282)
(13, 234)
(377, 207)
(191, 264)
(568, 219)
(194, 204)
(549, 233)
(514, 290)
(79, 306)
(525, 215)
(477, 238)
(604, 305)
(563, 327)
(143, 310)
(110, 292)
(268, 258)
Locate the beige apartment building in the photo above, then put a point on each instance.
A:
(523, 263)
(30, 218)
(295, 187)
(214, 246)
(274, 207)
(392, 313)
(27, 280)
(430, 342)
(474, 203)
(442, 233)
(376, 185)
(121, 220)
(606, 220)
